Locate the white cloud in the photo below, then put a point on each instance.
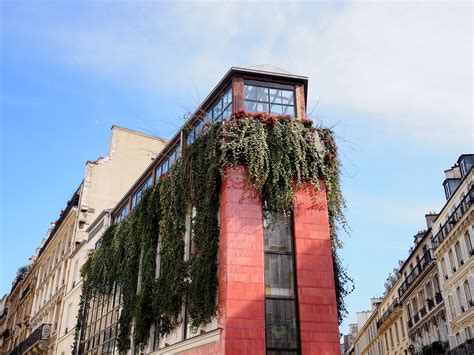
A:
(408, 64)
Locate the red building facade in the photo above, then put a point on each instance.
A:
(276, 290)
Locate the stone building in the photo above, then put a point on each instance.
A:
(367, 342)
(105, 181)
(41, 309)
(453, 241)
(391, 322)
(421, 296)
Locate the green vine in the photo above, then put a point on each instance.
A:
(278, 151)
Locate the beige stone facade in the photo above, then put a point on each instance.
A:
(391, 323)
(41, 309)
(453, 248)
(106, 181)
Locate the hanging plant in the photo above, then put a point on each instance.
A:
(278, 151)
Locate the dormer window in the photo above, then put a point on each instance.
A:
(272, 98)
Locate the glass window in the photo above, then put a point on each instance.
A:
(457, 249)
(468, 241)
(467, 293)
(137, 196)
(122, 214)
(269, 97)
(280, 316)
(277, 232)
(280, 323)
(279, 278)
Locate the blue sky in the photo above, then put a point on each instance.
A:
(393, 79)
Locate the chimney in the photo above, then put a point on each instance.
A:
(453, 173)
(430, 218)
(375, 302)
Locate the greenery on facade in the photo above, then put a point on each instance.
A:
(279, 153)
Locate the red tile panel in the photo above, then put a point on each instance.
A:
(241, 272)
(319, 331)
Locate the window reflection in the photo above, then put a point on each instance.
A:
(277, 232)
(279, 279)
(280, 307)
(280, 324)
(269, 97)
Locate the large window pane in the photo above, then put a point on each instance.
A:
(280, 324)
(279, 277)
(269, 97)
(250, 106)
(276, 109)
(275, 96)
(277, 232)
(250, 92)
(288, 110)
(262, 94)
(287, 97)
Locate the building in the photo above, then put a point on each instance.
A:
(366, 341)
(391, 322)
(41, 308)
(428, 305)
(421, 296)
(16, 323)
(3, 318)
(105, 181)
(50, 270)
(453, 241)
(288, 302)
(348, 340)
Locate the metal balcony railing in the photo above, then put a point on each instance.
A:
(412, 276)
(454, 218)
(467, 348)
(393, 306)
(43, 332)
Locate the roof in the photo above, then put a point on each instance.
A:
(268, 68)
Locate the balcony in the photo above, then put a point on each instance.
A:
(36, 342)
(425, 260)
(454, 218)
(395, 304)
(465, 348)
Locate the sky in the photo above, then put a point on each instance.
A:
(393, 79)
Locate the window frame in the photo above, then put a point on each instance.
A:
(271, 85)
(294, 298)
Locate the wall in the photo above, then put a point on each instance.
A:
(106, 181)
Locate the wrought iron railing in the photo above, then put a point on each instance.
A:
(412, 276)
(463, 206)
(393, 306)
(43, 332)
(466, 348)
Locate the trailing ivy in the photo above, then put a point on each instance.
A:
(279, 153)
